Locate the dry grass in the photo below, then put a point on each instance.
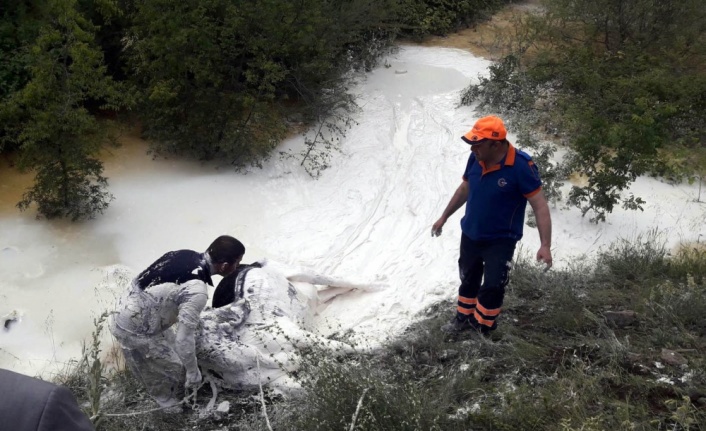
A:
(487, 39)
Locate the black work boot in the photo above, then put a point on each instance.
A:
(456, 325)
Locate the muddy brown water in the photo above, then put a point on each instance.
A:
(130, 155)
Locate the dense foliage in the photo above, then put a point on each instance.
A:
(218, 80)
(623, 83)
(57, 136)
(420, 18)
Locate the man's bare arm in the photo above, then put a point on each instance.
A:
(544, 226)
(457, 200)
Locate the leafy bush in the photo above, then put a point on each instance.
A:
(211, 80)
(58, 138)
(219, 78)
(614, 80)
(421, 18)
(510, 92)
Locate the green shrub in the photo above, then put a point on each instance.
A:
(631, 261)
(612, 83)
(421, 18)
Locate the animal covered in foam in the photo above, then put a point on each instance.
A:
(256, 339)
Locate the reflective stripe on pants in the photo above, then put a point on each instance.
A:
(484, 269)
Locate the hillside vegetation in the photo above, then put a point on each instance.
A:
(612, 343)
(615, 342)
(221, 80)
(621, 83)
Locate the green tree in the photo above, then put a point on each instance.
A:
(421, 18)
(58, 138)
(19, 26)
(619, 81)
(355, 34)
(221, 78)
(207, 79)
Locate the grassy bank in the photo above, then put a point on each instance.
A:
(615, 342)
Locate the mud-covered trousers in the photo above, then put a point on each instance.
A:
(153, 361)
(484, 268)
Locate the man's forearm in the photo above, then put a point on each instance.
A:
(456, 202)
(186, 347)
(544, 225)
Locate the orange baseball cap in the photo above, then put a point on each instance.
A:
(490, 127)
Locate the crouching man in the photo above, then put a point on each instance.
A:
(170, 292)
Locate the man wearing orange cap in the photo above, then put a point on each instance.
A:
(498, 182)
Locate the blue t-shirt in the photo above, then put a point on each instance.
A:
(497, 197)
(176, 267)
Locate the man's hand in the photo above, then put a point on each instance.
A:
(436, 227)
(193, 379)
(544, 254)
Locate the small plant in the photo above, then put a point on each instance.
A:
(683, 413)
(93, 368)
(318, 147)
(591, 424)
(630, 260)
(333, 114)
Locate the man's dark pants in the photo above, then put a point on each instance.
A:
(484, 268)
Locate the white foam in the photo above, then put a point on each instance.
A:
(367, 218)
